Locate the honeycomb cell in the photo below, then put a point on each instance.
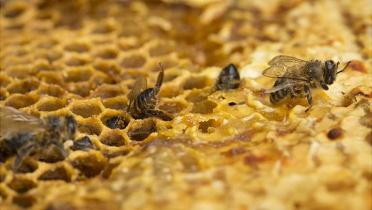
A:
(82, 89)
(204, 107)
(21, 185)
(119, 103)
(20, 72)
(51, 90)
(141, 129)
(59, 173)
(78, 74)
(86, 109)
(161, 49)
(53, 78)
(51, 154)
(76, 61)
(103, 28)
(48, 43)
(3, 94)
(14, 10)
(194, 82)
(19, 101)
(112, 138)
(90, 126)
(172, 107)
(133, 61)
(84, 143)
(108, 53)
(89, 164)
(50, 55)
(107, 91)
(27, 166)
(24, 201)
(4, 80)
(23, 86)
(207, 126)
(110, 68)
(50, 104)
(77, 47)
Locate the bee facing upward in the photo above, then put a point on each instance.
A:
(228, 78)
(296, 77)
(142, 101)
(23, 135)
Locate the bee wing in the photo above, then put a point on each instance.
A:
(282, 86)
(138, 87)
(15, 121)
(283, 64)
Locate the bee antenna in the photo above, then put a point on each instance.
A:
(159, 81)
(347, 64)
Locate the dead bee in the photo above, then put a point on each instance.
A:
(24, 135)
(296, 77)
(228, 78)
(142, 101)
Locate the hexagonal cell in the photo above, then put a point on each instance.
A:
(51, 90)
(14, 10)
(51, 154)
(23, 86)
(47, 43)
(109, 53)
(24, 201)
(86, 108)
(107, 67)
(21, 185)
(133, 61)
(172, 107)
(4, 80)
(76, 61)
(119, 103)
(50, 55)
(115, 121)
(82, 89)
(20, 72)
(78, 74)
(107, 91)
(141, 129)
(27, 166)
(161, 49)
(112, 138)
(3, 94)
(52, 78)
(129, 43)
(59, 173)
(50, 104)
(19, 101)
(90, 164)
(204, 107)
(99, 78)
(77, 47)
(103, 28)
(195, 82)
(83, 143)
(207, 126)
(197, 96)
(90, 126)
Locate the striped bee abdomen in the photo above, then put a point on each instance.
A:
(277, 96)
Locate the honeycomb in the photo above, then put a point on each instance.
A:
(223, 149)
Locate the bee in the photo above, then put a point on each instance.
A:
(296, 77)
(228, 78)
(23, 135)
(143, 100)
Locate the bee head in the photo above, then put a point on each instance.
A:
(330, 71)
(228, 78)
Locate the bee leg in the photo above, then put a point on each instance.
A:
(308, 97)
(158, 113)
(23, 152)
